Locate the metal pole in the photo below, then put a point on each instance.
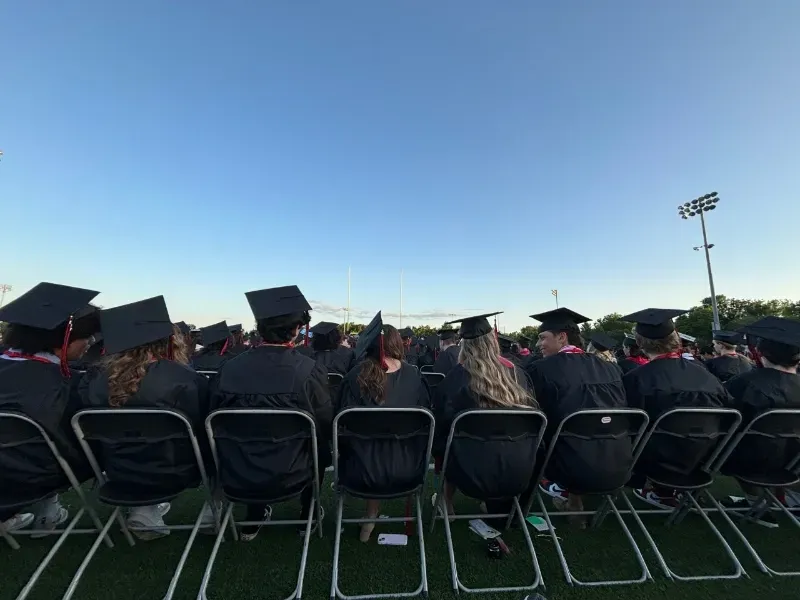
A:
(4, 287)
(401, 298)
(714, 307)
(347, 318)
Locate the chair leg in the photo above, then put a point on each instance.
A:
(298, 592)
(662, 563)
(124, 527)
(337, 548)
(561, 558)
(8, 537)
(423, 564)
(46, 560)
(529, 541)
(92, 514)
(449, 539)
(173, 584)
(201, 595)
(76, 579)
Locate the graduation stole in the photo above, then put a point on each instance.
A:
(569, 349)
(639, 360)
(668, 355)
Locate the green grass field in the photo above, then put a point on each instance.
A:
(267, 567)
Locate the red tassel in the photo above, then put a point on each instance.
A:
(224, 347)
(64, 345)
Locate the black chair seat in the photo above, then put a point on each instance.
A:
(777, 479)
(679, 481)
(256, 497)
(116, 494)
(371, 495)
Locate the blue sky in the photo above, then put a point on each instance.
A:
(492, 151)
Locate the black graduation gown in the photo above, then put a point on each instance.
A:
(565, 383)
(667, 383)
(339, 360)
(425, 358)
(272, 377)
(39, 391)
(506, 462)
(412, 355)
(728, 366)
(166, 384)
(448, 358)
(402, 460)
(753, 393)
(210, 360)
(627, 365)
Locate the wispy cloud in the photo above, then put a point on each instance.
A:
(360, 313)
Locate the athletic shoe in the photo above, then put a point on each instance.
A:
(48, 514)
(249, 532)
(552, 489)
(150, 521)
(663, 501)
(17, 522)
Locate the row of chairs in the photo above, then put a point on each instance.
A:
(412, 430)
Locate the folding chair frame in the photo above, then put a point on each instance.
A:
(116, 514)
(767, 500)
(229, 521)
(608, 504)
(439, 376)
(417, 494)
(426, 369)
(70, 529)
(440, 512)
(688, 502)
(207, 374)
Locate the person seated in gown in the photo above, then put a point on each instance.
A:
(49, 326)
(275, 375)
(775, 386)
(427, 347)
(727, 363)
(147, 366)
(236, 343)
(509, 349)
(216, 343)
(633, 355)
(328, 350)
(411, 353)
(602, 345)
(482, 379)
(381, 379)
(448, 353)
(666, 382)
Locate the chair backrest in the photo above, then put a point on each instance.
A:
(335, 380)
(382, 451)
(208, 374)
(144, 448)
(432, 379)
(592, 450)
(767, 444)
(426, 369)
(685, 440)
(491, 453)
(27, 457)
(269, 453)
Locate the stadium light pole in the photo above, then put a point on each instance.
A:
(4, 287)
(695, 207)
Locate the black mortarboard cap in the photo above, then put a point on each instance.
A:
(235, 328)
(47, 305)
(654, 323)
(133, 325)
(447, 334)
(407, 332)
(602, 341)
(277, 302)
(214, 333)
(324, 328)
(728, 337)
(369, 336)
(475, 327)
(431, 341)
(183, 327)
(775, 329)
(560, 319)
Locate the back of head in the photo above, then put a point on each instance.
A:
(31, 340)
(778, 353)
(606, 355)
(372, 377)
(492, 382)
(281, 330)
(666, 345)
(328, 341)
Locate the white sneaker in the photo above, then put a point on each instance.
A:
(151, 521)
(17, 522)
(48, 514)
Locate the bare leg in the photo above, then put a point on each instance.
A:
(373, 508)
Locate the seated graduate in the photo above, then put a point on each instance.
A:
(524, 347)
(275, 375)
(602, 345)
(753, 392)
(93, 356)
(482, 379)
(380, 379)
(728, 363)
(427, 347)
(214, 353)
(448, 351)
(48, 326)
(147, 366)
(509, 349)
(634, 357)
(328, 350)
(236, 343)
(567, 380)
(411, 353)
(666, 382)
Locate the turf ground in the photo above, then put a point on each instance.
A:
(267, 567)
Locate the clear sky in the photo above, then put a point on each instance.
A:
(491, 150)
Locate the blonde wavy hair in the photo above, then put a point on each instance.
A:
(606, 355)
(491, 381)
(126, 369)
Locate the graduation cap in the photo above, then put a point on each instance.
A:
(475, 327)
(447, 334)
(277, 302)
(602, 341)
(431, 341)
(728, 337)
(369, 337)
(630, 340)
(235, 328)
(560, 319)
(775, 329)
(214, 333)
(183, 327)
(136, 324)
(654, 323)
(407, 332)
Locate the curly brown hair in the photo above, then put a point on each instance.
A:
(372, 378)
(126, 370)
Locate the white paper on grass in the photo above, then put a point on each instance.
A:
(480, 527)
(392, 539)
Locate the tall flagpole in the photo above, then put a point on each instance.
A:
(401, 298)
(347, 320)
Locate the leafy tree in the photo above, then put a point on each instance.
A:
(423, 330)
(611, 324)
(355, 328)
